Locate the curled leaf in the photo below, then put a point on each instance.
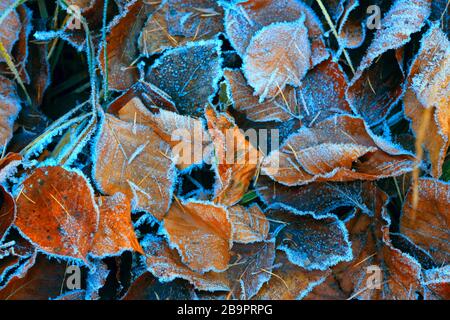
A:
(429, 88)
(337, 149)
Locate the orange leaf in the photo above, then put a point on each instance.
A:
(9, 110)
(202, 234)
(133, 159)
(237, 159)
(115, 232)
(9, 28)
(57, 212)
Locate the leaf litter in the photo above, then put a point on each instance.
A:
(199, 149)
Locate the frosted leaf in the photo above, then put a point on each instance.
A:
(9, 110)
(427, 225)
(57, 212)
(369, 94)
(250, 268)
(177, 22)
(439, 12)
(337, 149)
(115, 231)
(320, 197)
(41, 282)
(311, 242)
(326, 289)
(429, 87)
(243, 20)
(165, 264)
(437, 283)
(277, 55)
(280, 108)
(322, 93)
(148, 287)
(122, 49)
(149, 95)
(96, 279)
(236, 158)
(189, 74)
(186, 136)
(10, 27)
(249, 224)
(133, 159)
(201, 232)
(297, 281)
(399, 273)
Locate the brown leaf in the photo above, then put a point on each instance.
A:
(42, 282)
(280, 108)
(250, 268)
(133, 159)
(322, 93)
(202, 234)
(165, 263)
(429, 87)
(309, 241)
(177, 22)
(404, 18)
(9, 110)
(122, 49)
(338, 149)
(244, 19)
(115, 232)
(427, 225)
(56, 210)
(290, 282)
(236, 158)
(249, 224)
(277, 55)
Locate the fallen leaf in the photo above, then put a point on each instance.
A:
(115, 232)
(251, 268)
(122, 49)
(429, 88)
(7, 211)
(57, 212)
(177, 22)
(404, 18)
(133, 159)
(437, 283)
(379, 271)
(189, 74)
(427, 225)
(243, 20)
(290, 282)
(236, 158)
(280, 108)
(201, 232)
(309, 241)
(165, 264)
(9, 27)
(276, 56)
(249, 224)
(338, 149)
